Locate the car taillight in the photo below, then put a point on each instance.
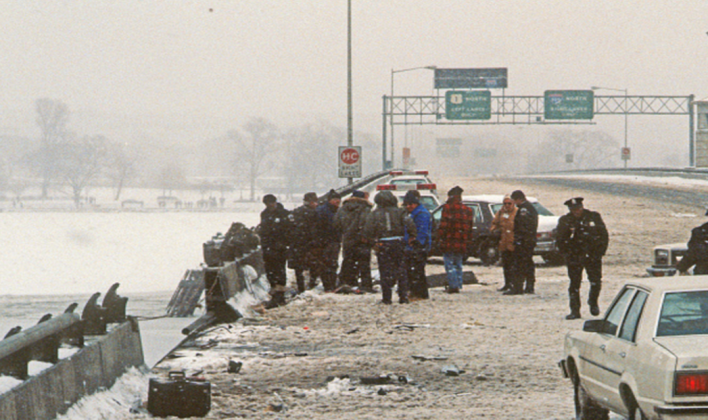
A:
(543, 235)
(395, 173)
(426, 186)
(421, 172)
(692, 383)
(385, 187)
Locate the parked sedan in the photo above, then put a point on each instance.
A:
(484, 208)
(648, 357)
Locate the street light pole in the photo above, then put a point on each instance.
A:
(626, 112)
(350, 113)
(393, 72)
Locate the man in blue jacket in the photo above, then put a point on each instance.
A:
(417, 250)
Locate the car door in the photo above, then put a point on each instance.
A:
(621, 350)
(595, 366)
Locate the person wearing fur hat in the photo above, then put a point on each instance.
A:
(582, 238)
(697, 252)
(328, 240)
(356, 252)
(455, 234)
(275, 233)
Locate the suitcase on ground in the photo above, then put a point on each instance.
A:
(179, 396)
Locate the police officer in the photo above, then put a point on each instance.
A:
(275, 233)
(525, 227)
(304, 235)
(697, 252)
(582, 239)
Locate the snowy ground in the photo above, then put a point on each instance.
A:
(307, 360)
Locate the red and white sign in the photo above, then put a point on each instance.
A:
(350, 162)
(626, 153)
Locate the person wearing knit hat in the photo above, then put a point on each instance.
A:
(455, 191)
(455, 234)
(301, 258)
(582, 238)
(356, 253)
(328, 240)
(275, 231)
(417, 248)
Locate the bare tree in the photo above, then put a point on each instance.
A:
(121, 165)
(255, 149)
(80, 162)
(52, 117)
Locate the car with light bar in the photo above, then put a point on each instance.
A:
(647, 358)
(665, 258)
(428, 198)
(484, 247)
(409, 180)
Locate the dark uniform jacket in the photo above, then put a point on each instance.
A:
(697, 251)
(304, 231)
(327, 233)
(525, 225)
(350, 220)
(388, 220)
(582, 236)
(275, 229)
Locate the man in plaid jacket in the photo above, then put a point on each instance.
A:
(455, 235)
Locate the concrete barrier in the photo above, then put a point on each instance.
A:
(94, 367)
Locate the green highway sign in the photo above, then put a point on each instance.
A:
(468, 105)
(568, 104)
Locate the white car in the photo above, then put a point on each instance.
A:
(648, 357)
(665, 258)
(404, 181)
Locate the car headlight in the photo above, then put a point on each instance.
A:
(661, 257)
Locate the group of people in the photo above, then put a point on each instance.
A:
(310, 238)
(581, 238)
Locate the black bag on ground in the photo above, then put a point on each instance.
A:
(179, 396)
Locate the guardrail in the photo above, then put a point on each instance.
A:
(41, 342)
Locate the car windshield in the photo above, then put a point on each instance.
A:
(542, 211)
(408, 181)
(428, 202)
(684, 313)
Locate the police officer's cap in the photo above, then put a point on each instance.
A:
(574, 202)
(269, 198)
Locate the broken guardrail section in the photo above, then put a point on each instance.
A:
(102, 357)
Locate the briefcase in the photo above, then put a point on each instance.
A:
(179, 395)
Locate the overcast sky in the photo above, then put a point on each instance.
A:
(202, 67)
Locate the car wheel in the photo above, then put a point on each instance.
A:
(585, 408)
(635, 413)
(488, 253)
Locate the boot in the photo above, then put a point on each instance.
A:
(592, 299)
(574, 305)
